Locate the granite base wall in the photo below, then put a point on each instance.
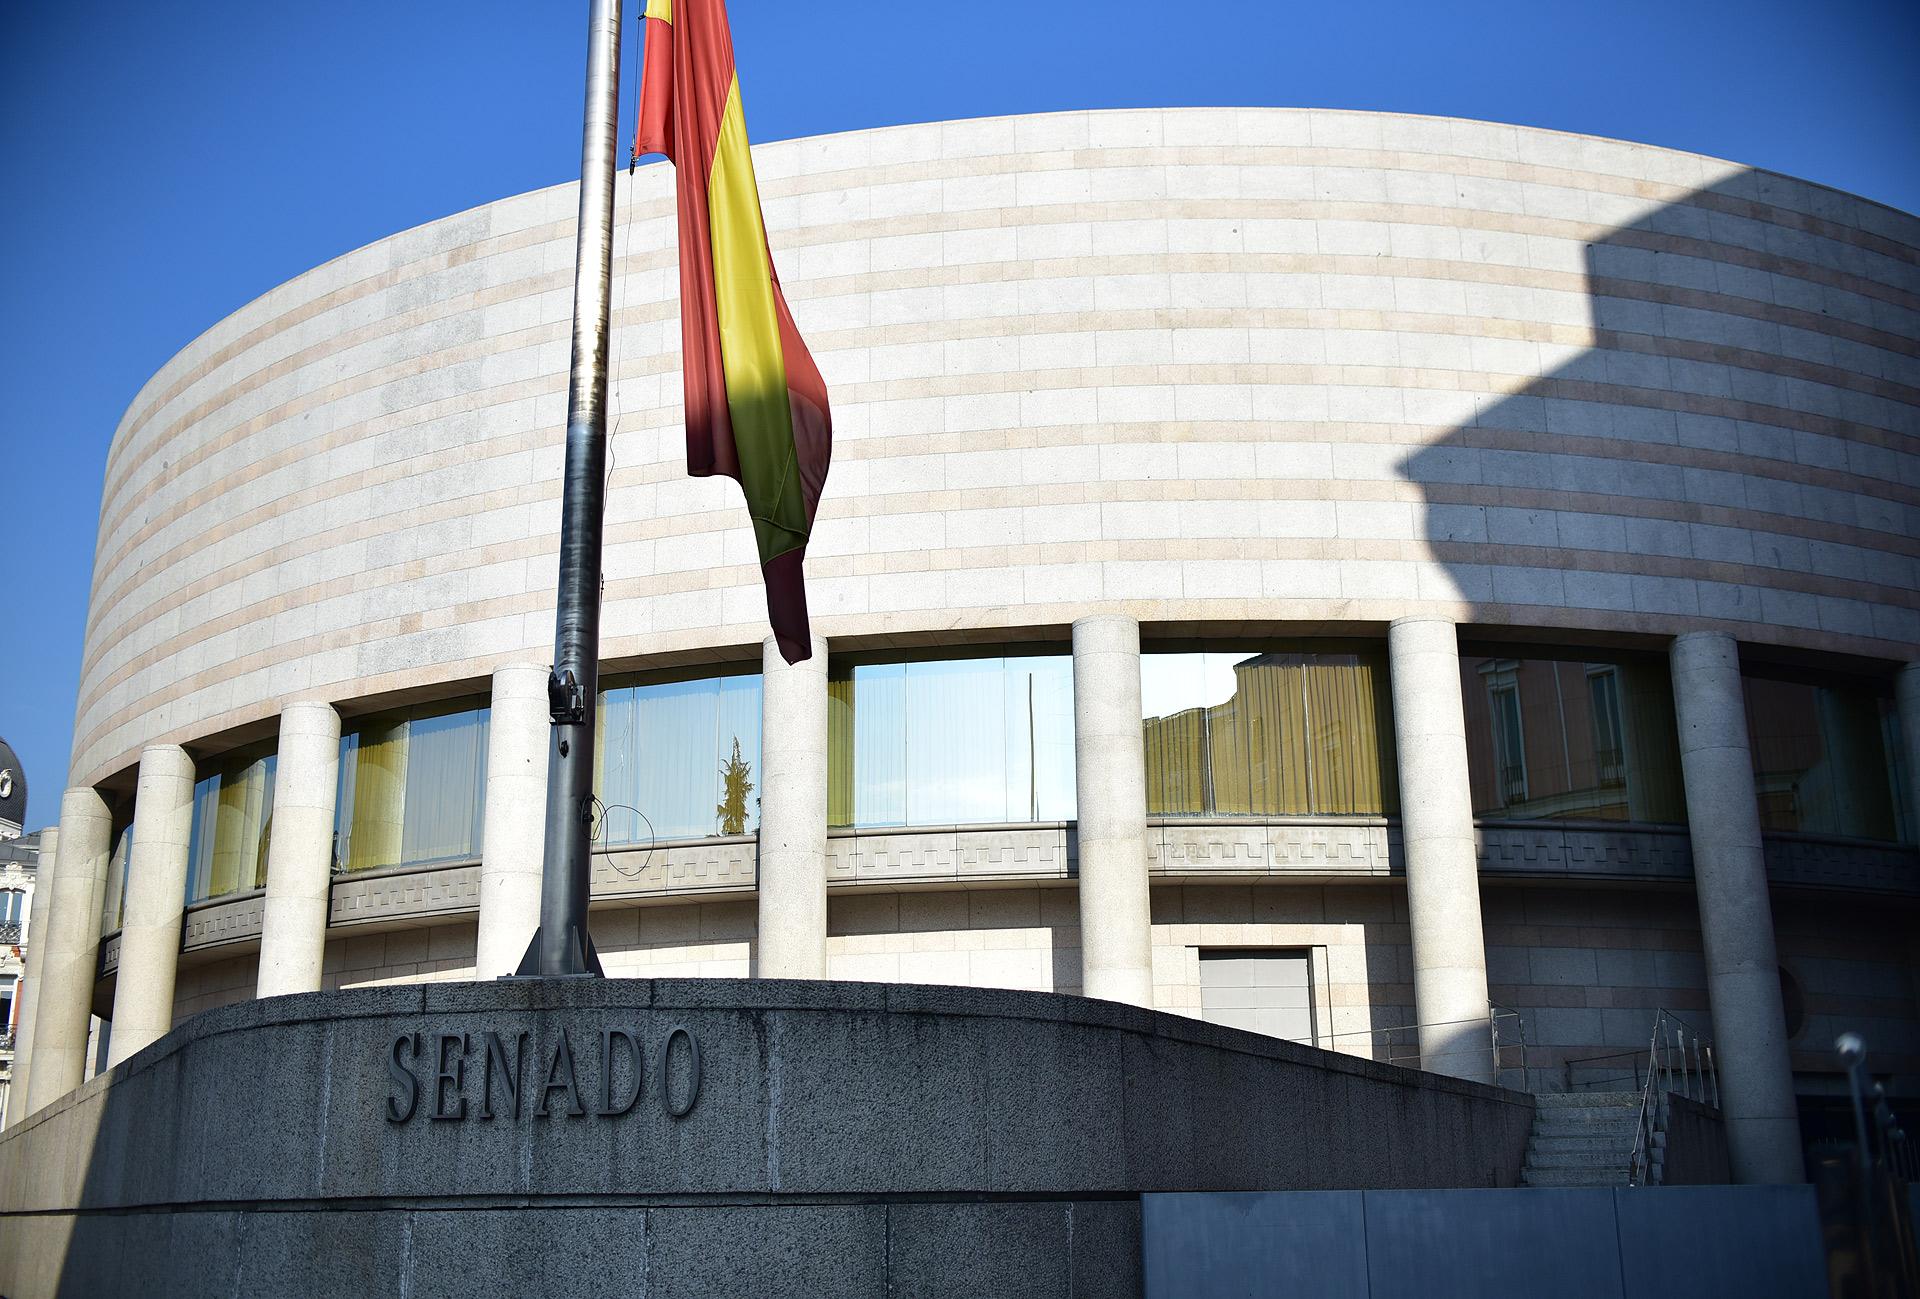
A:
(1696, 1145)
(844, 1138)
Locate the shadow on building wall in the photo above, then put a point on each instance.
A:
(1733, 446)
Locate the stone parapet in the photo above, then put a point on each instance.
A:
(952, 855)
(915, 1114)
(231, 918)
(1300, 849)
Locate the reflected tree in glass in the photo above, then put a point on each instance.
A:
(735, 786)
(665, 754)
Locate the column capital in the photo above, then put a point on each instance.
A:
(1106, 633)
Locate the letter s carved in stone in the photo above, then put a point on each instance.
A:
(403, 1080)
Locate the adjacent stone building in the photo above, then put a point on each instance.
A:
(19, 868)
(1395, 583)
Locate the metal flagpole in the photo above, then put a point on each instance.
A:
(562, 945)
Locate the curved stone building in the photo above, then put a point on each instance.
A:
(1385, 581)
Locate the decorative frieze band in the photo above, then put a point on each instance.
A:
(230, 919)
(1359, 848)
(676, 868)
(1546, 850)
(404, 895)
(1843, 864)
(1554, 850)
(1355, 848)
(951, 855)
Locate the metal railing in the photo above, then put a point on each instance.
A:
(1502, 1031)
(1869, 1222)
(9, 933)
(1610, 1071)
(1678, 1060)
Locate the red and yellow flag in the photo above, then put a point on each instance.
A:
(756, 407)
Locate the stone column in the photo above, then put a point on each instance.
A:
(29, 995)
(306, 780)
(70, 946)
(513, 840)
(1736, 915)
(1110, 785)
(1907, 692)
(156, 896)
(1443, 865)
(793, 814)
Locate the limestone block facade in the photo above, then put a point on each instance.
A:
(1250, 378)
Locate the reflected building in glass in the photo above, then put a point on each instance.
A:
(1270, 557)
(1563, 740)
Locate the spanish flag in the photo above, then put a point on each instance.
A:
(756, 407)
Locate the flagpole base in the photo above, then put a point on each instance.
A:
(576, 959)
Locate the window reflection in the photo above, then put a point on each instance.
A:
(686, 754)
(1276, 734)
(1824, 759)
(1566, 740)
(955, 742)
(232, 824)
(413, 788)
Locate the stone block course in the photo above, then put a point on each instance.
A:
(898, 1134)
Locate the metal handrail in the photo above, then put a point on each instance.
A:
(1634, 1058)
(1679, 1060)
(1402, 1041)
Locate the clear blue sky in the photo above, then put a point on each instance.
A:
(162, 164)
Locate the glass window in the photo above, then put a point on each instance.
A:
(413, 788)
(1567, 740)
(232, 822)
(113, 900)
(1823, 759)
(1275, 734)
(951, 742)
(680, 756)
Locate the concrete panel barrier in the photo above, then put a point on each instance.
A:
(1685, 1242)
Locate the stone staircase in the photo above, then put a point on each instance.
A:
(1586, 1139)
